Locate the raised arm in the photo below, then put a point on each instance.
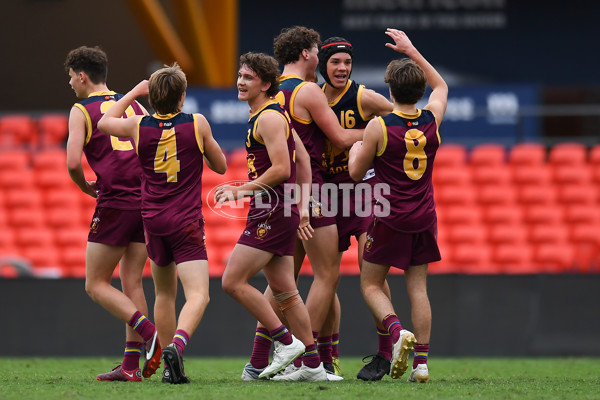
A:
(213, 155)
(438, 99)
(312, 98)
(112, 123)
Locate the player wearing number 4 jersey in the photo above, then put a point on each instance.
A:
(116, 233)
(402, 146)
(171, 146)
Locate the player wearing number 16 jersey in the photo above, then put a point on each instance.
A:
(171, 146)
(402, 146)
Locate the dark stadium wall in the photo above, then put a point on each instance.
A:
(539, 315)
(476, 41)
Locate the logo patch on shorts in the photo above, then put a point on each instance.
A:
(262, 230)
(94, 226)
(369, 243)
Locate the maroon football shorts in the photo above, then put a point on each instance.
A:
(116, 227)
(184, 245)
(386, 246)
(272, 231)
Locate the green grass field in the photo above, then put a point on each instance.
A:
(219, 378)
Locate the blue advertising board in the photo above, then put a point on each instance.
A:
(477, 114)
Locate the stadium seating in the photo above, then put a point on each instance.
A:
(520, 210)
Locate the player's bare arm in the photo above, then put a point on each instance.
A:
(312, 98)
(303, 180)
(213, 155)
(363, 153)
(374, 104)
(438, 99)
(75, 143)
(112, 123)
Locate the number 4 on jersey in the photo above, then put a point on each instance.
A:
(166, 160)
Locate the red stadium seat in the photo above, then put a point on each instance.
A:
(51, 159)
(572, 175)
(507, 234)
(543, 214)
(531, 175)
(53, 130)
(34, 236)
(9, 180)
(455, 195)
(585, 239)
(491, 175)
(18, 131)
(537, 195)
(506, 214)
(22, 198)
(63, 217)
(472, 259)
(451, 175)
(548, 233)
(16, 161)
(487, 155)
(578, 194)
(554, 257)
(582, 213)
(458, 214)
(27, 218)
(527, 154)
(514, 258)
(567, 154)
(72, 260)
(463, 234)
(493, 194)
(53, 179)
(451, 154)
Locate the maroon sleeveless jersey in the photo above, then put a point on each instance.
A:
(118, 171)
(311, 135)
(258, 158)
(405, 163)
(171, 155)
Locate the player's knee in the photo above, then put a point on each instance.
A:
(287, 300)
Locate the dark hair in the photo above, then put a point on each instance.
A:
(330, 47)
(407, 81)
(165, 88)
(288, 45)
(265, 67)
(91, 60)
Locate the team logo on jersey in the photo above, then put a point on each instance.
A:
(262, 230)
(94, 226)
(369, 243)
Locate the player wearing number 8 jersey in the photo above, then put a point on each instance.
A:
(116, 233)
(402, 146)
(171, 146)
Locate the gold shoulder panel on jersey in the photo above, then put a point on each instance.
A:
(136, 139)
(293, 100)
(359, 103)
(88, 119)
(197, 133)
(385, 137)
